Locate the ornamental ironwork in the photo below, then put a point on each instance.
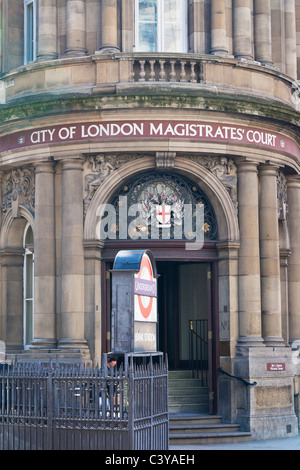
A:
(158, 205)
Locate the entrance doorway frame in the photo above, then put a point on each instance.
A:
(167, 250)
(226, 215)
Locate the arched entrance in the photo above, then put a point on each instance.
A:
(188, 282)
(17, 278)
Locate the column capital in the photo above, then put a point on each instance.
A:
(293, 180)
(267, 169)
(46, 166)
(244, 165)
(72, 163)
(230, 246)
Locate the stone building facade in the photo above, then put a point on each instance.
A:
(156, 102)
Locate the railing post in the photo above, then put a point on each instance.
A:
(151, 403)
(50, 405)
(131, 404)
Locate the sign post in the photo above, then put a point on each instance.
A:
(134, 302)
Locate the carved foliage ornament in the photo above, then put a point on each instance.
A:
(18, 189)
(224, 169)
(282, 196)
(99, 167)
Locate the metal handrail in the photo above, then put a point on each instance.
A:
(237, 378)
(198, 356)
(196, 334)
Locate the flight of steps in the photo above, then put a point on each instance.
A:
(186, 394)
(189, 421)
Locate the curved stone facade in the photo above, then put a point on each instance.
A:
(89, 113)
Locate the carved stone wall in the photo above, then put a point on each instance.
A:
(98, 167)
(222, 168)
(18, 188)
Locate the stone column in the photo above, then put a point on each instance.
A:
(290, 39)
(218, 27)
(196, 29)
(262, 31)
(109, 26)
(284, 263)
(44, 258)
(93, 326)
(293, 186)
(249, 260)
(76, 33)
(47, 32)
(242, 29)
(269, 257)
(72, 258)
(228, 260)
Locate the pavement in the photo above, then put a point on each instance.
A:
(290, 443)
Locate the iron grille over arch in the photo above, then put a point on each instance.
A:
(156, 205)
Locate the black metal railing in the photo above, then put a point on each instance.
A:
(240, 379)
(58, 407)
(198, 347)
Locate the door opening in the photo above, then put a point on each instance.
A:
(185, 319)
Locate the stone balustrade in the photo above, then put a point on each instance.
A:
(110, 72)
(166, 69)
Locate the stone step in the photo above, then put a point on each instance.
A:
(203, 429)
(189, 390)
(186, 394)
(192, 418)
(209, 438)
(188, 398)
(180, 374)
(188, 408)
(183, 383)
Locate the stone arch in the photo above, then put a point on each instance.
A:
(12, 263)
(214, 189)
(12, 229)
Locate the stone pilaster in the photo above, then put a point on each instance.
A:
(76, 33)
(228, 256)
(285, 254)
(44, 258)
(262, 31)
(47, 32)
(269, 256)
(293, 187)
(196, 27)
(242, 29)
(72, 259)
(249, 260)
(290, 39)
(109, 23)
(93, 282)
(218, 27)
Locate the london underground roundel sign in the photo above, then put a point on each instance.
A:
(145, 290)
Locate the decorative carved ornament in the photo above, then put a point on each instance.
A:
(282, 196)
(222, 168)
(99, 167)
(18, 189)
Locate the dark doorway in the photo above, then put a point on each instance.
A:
(187, 308)
(184, 308)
